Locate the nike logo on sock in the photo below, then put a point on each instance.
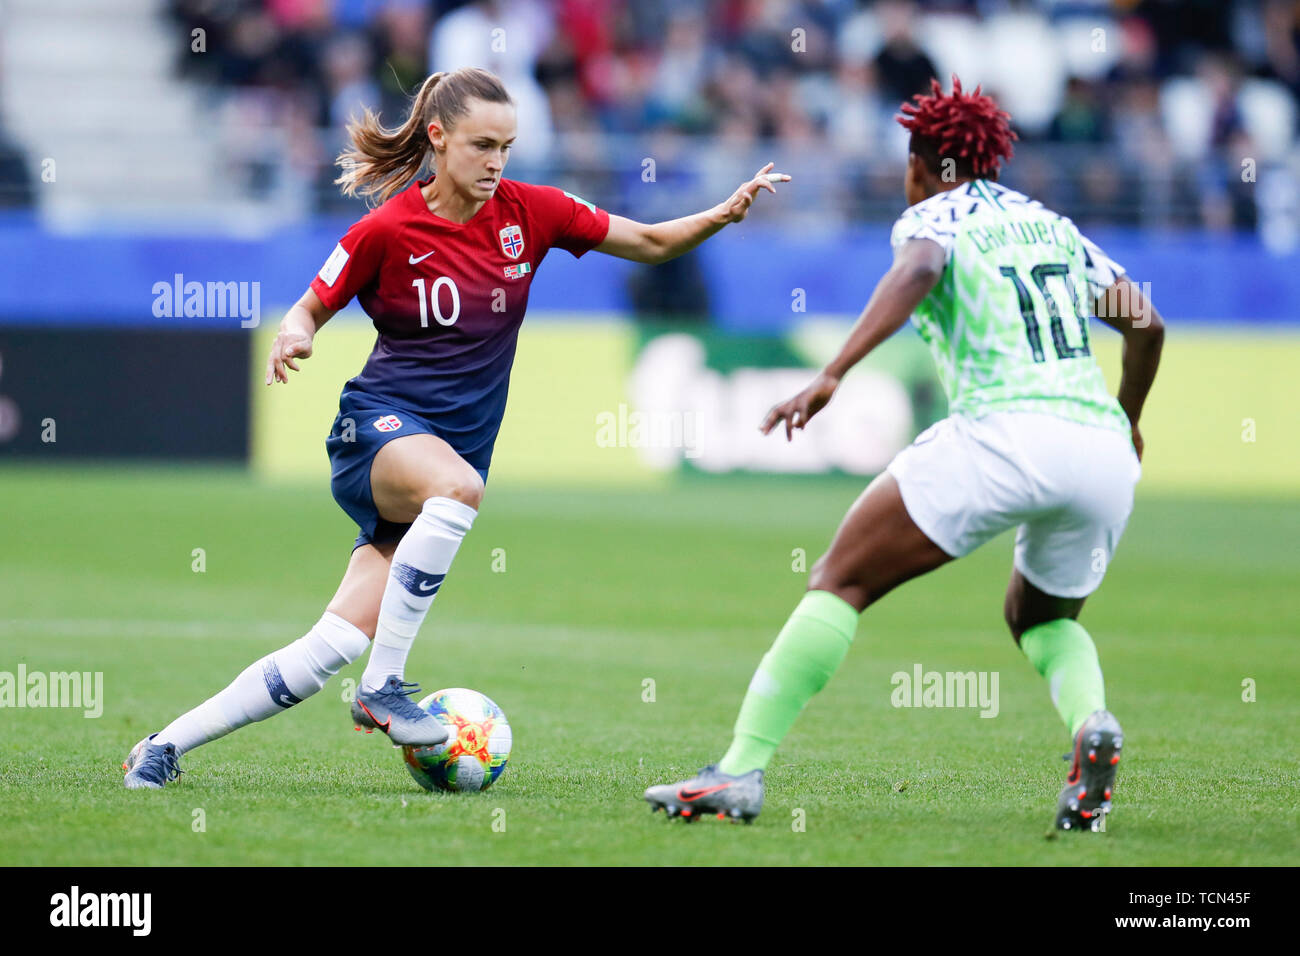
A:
(417, 582)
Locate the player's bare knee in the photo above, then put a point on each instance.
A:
(466, 488)
(818, 577)
(1021, 615)
(822, 578)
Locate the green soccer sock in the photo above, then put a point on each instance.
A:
(1062, 651)
(807, 652)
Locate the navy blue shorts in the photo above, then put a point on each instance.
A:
(360, 430)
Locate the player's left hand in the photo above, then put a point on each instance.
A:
(737, 207)
(1139, 445)
(797, 411)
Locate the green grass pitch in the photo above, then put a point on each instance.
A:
(602, 591)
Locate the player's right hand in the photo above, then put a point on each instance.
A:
(736, 208)
(797, 411)
(1138, 444)
(289, 345)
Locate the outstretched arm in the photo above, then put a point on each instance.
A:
(658, 242)
(1123, 307)
(918, 265)
(297, 330)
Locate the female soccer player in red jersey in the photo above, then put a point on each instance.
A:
(443, 267)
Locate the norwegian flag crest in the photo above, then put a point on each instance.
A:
(512, 241)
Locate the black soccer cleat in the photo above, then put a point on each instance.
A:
(1085, 799)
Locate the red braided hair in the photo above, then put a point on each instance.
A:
(966, 127)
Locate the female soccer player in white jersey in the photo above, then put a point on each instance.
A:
(1001, 290)
(443, 267)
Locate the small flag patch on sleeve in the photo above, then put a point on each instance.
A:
(329, 272)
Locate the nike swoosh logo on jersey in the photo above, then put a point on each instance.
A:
(412, 260)
(691, 795)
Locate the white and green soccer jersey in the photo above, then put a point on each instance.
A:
(1008, 321)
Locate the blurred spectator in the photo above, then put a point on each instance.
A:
(400, 59)
(506, 37)
(1185, 29)
(1154, 133)
(16, 185)
(853, 116)
(1281, 24)
(1226, 201)
(675, 92)
(1137, 62)
(1082, 117)
(348, 82)
(901, 64)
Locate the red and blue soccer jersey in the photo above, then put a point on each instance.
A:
(447, 300)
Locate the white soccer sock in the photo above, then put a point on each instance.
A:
(421, 561)
(273, 684)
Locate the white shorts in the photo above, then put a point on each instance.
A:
(1069, 488)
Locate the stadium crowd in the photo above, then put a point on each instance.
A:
(1152, 112)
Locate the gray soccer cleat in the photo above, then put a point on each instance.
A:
(391, 710)
(1085, 799)
(710, 791)
(150, 766)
